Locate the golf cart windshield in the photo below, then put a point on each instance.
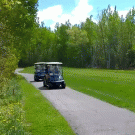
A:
(55, 69)
(39, 67)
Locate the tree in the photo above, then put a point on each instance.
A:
(77, 46)
(17, 19)
(91, 28)
(62, 38)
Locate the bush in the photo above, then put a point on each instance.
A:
(12, 120)
(12, 116)
(11, 92)
(8, 64)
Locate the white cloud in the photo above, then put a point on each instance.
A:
(52, 26)
(79, 14)
(50, 13)
(64, 17)
(82, 9)
(121, 13)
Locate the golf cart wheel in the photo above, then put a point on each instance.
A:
(35, 78)
(49, 86)
(44, 82)
(63, 85)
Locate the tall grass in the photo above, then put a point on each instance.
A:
(12, 115)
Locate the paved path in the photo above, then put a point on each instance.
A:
(87, 115)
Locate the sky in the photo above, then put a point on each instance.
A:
(53, 11)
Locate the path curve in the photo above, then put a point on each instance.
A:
(87, 115)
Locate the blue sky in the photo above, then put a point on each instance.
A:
(52, 11)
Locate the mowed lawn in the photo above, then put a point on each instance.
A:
(113, 86)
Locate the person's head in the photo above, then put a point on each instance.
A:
(56, 68)
(48, 67)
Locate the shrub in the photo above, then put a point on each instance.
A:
(8, 64)
(11, 92)
(12, 116)
(12, 119)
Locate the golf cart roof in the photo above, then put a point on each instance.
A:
(48, 63)
(39, 63)
(53, 63)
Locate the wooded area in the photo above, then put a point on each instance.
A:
(17, 23)
(109, 43)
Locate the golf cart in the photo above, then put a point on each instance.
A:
(54, 75)
(40, 71)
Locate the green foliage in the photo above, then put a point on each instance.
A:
(77, 46)
(12, 119)
(12, 92)
(17, 23)
(8, 64)
(77, 36)
(114, 39)
(12, 116)
(61, 42)
(106, 44)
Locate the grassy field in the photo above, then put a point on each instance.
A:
(113, 86)
(41, 116)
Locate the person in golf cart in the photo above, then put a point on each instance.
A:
(39, 70)
(48, 71)
(54, 75)
(56, 70)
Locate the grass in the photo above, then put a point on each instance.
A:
(113, 86)
(29, 70)
(42, 117)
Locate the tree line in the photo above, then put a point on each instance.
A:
(109, 43)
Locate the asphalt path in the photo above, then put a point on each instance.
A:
(85, 114)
